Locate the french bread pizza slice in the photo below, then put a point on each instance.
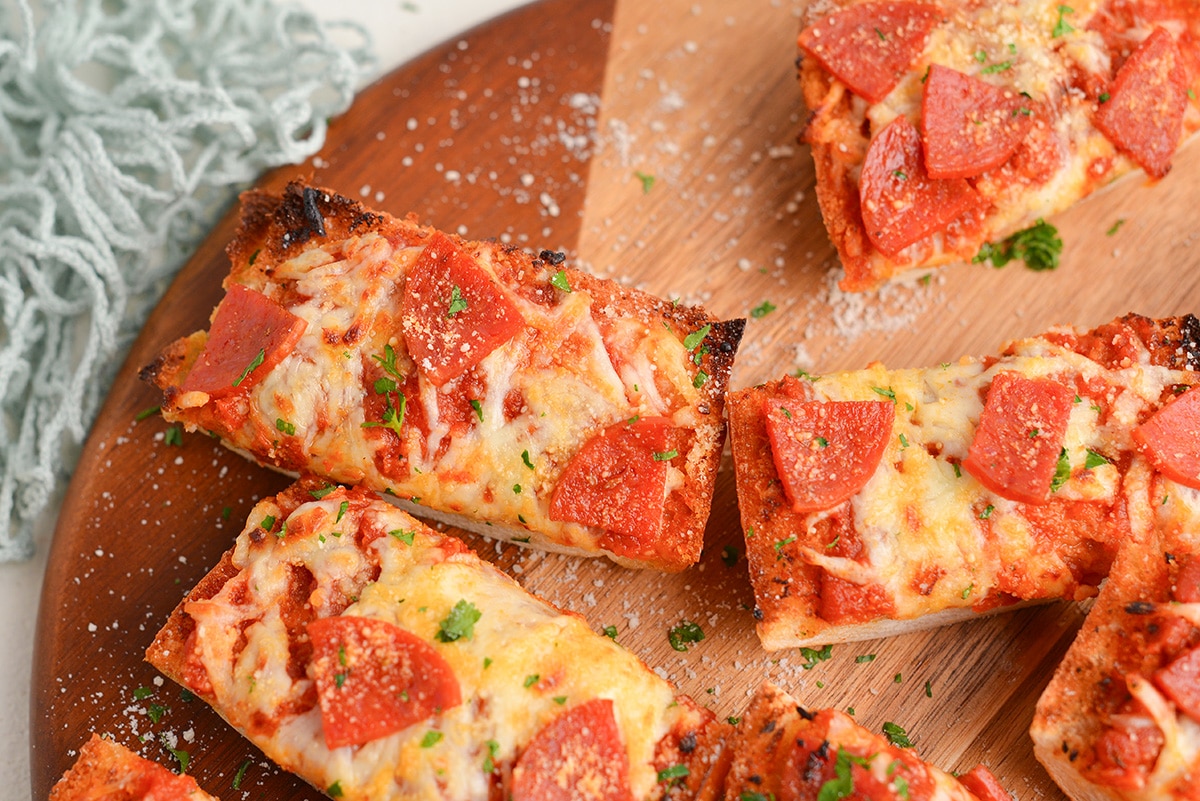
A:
(1120, 720)
(880, 501)
(944, 131)
(378, 659)
(785, 752)
(471, 382)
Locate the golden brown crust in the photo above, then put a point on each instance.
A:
(109, 771)
(168, 651)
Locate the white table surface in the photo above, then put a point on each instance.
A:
(400, 30)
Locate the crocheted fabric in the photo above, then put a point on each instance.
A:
(125, 128)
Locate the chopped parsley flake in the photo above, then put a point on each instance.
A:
(1039, 246)
(693, 340)
(700, 380)
(460, 622)
(174, 435)
(762, 310)
(862, 658)
(900, 175)
(813, 655)
(457, 302)
(684, 634)
(335, 790)
(478, 407)
(781, 544)
(531, 680)
(1062, 471)
(673, 773)
(886, 392)
(1115, 227)
(1001, 66)
(987, 512)
(966, 593)
(318, 494)
(404, 536)
(665, 456)
(431, 739)
(144, 413)
(1094, 460)
(489, 762)
(928, 689)
(821, 442)
(268, 523)
(255, 362)
(393, 416)
(647, 181)
(559, 281)
(525, 458)
(842, 785)
(1062, 27)
(181, 756)
(241, 774)
(896, 735)
(610, 632)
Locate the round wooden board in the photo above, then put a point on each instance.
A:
(656, 142)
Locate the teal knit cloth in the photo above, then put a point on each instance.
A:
(126, 126)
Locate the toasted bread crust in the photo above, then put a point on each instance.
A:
(109, 771)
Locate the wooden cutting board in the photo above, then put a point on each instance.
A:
(656, 142)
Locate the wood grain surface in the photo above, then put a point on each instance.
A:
(656, 142)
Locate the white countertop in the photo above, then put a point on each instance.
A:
(400, 30)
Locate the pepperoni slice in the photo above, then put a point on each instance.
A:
(1180, 680)
(374, 678)
(1171, 438)
(825, 451)
(617, 481)
(870, 46)
(1020, 436)
(578, 756)
(969, 126)
(250, 334)
(1187, 580)
(901, 204)
(983, 785)
(1126, 753)
(1143, 116)
(453, 314)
